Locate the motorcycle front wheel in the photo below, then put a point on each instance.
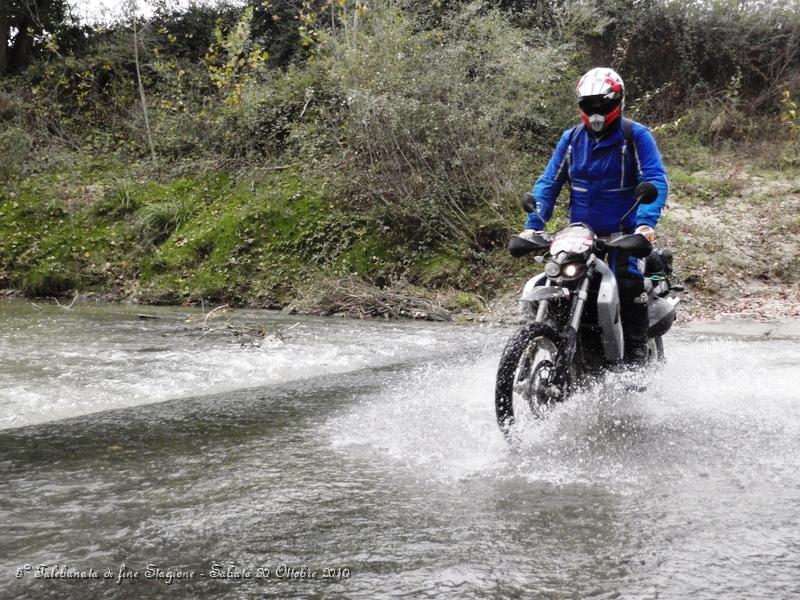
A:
(659, 343)
(525, 374)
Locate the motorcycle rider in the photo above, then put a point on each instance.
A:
(603, 169)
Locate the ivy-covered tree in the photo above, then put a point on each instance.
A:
(26, 27)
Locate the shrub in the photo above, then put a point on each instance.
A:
(15, 151)
(435, 121)
(692, 52)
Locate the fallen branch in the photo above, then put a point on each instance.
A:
(358, 299)
(70, 305)
(205, 321)
(246, 334)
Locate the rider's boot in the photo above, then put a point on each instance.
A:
(633, 310)
(635, 334)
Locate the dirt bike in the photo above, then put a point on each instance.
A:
(573, 329)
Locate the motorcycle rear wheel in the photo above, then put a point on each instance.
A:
(524, 371)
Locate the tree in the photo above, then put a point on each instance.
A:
(25, 28)
(131, 9)
(3, 41)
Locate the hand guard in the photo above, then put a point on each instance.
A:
(528, 234)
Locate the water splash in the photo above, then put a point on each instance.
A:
(712, 395)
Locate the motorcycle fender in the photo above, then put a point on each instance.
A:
(527, 300)
(531, 285)
(608, 316)
(545, 293)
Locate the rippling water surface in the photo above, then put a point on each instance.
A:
(372, 447)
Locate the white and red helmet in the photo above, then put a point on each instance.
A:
(601, 95)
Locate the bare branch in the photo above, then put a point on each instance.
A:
(139, 79)
(205, 321)
(71, 304)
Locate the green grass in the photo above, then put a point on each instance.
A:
(257, 239)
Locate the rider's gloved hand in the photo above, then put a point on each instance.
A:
(647, 231)
(528, 234)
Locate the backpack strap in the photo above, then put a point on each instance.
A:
(573, 133)
(627, 131)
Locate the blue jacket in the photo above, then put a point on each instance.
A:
(602, 176)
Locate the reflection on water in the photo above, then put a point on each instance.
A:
(385, 460)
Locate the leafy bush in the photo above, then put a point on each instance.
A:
(15, 150)
(683, 53)
(435, 121)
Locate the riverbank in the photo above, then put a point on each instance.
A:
(759, 318)
(109, 231)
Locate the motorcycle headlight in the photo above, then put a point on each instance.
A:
(572, 270)
(552, 269)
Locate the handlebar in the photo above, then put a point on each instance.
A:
(635, 243)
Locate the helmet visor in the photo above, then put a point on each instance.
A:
(597, 105)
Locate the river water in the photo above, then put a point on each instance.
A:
(365, 456)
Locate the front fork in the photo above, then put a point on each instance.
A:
(569, 335)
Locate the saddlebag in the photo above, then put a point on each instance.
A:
(658, 263)
(661, 315)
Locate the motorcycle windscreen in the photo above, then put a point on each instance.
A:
(574, 239)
